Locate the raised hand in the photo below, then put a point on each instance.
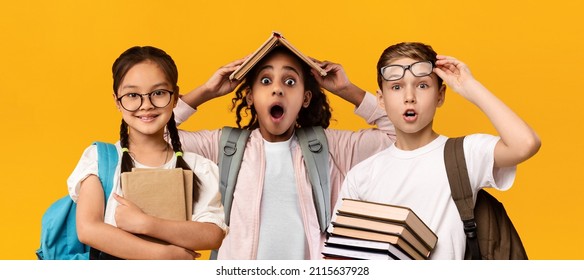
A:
(336, 79)
(337, 82)
(455, 74)
(518, 141)
(219, 82)
(217, 86)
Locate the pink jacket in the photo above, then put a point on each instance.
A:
(346, 148)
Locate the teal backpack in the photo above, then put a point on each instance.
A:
(314, 146)
(59, 239)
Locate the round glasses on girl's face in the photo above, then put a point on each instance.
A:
(395, 72)
(132, 102)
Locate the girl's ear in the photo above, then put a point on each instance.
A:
(307, 98)
(175, 97)
(116, 101)
(249, 98)
(441, 95)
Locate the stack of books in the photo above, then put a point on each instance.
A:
(369, 230)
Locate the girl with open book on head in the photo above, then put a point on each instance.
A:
(273, 213)
(145, 92)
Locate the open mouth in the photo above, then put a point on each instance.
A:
(410, 114)
(277, 111)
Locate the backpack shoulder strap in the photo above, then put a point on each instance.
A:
(461, 191)
(231, 147)
(107, 160)
(314, 146)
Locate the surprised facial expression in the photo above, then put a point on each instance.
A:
(411, 102)
(278, 94)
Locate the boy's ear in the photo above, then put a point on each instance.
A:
(307, 98)
(380, 102)
(441, 95)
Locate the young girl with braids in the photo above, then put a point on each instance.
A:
(146, 91)
(273, 213)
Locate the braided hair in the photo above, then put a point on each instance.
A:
(121, 66)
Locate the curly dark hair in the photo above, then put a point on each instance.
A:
(318, 112)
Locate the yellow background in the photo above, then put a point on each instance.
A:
(55, 86)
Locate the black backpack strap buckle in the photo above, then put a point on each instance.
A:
(470, 228)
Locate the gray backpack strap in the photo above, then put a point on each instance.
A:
(231, 147)
(314, 146)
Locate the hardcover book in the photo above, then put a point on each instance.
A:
(275, 39)
(162, 193)
(396, 229)
(355, 254)
(389, 213)
(362, 249)
(375, 236)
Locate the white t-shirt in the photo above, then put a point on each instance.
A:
(417, 179)
(281, 229)
(208, 209)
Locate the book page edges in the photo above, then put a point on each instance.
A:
(383, 211)
(406, 247)
(274, 40)
(256, 56)
(416, 243)
(399, 229)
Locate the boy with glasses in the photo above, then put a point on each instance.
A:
(411, 172)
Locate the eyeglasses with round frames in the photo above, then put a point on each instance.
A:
(132, 102)
(395, 72)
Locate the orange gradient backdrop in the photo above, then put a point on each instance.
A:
(56, 86)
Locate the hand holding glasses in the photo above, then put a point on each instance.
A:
(394, 72)
(132, 102)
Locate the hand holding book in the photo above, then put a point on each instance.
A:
(160, 193)
(337, 82)
(129, 216)
(219, 84)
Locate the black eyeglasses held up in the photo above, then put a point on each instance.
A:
(394, 72)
